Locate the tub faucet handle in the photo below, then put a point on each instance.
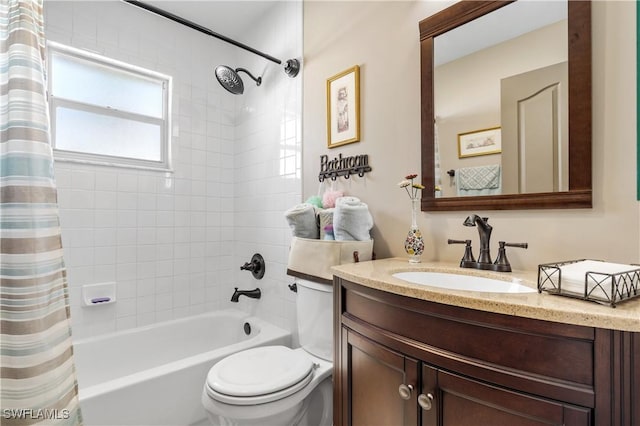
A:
(256, 266)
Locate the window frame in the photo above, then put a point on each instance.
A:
(94, 59)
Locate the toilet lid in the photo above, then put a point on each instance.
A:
(259, 371)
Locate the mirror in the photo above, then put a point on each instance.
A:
(464, 134)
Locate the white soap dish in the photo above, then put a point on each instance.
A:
(99, 294)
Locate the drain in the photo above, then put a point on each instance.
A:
(247, 328)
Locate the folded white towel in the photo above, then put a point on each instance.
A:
(352, 220)
(573, 276)
(302, 221)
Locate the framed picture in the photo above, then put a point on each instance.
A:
(480, 142)
(343, 108)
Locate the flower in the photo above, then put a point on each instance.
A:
(412, 188)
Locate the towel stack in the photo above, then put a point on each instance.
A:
(574, 277)
(350, 220)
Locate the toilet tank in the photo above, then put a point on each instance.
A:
(315, 318)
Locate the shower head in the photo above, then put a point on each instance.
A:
(230, 80)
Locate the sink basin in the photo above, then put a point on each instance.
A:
(463, 282)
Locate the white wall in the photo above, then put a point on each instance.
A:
(168, 239)
(383, 38)
(268, 154)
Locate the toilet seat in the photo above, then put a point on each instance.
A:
(259, 375)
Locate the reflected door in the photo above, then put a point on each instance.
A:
(533, 113)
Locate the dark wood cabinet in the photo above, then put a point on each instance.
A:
(373, 378)
(404, 361)
(467, 402)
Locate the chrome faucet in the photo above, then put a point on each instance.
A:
(254, 294)
(484, 260)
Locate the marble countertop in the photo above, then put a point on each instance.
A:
(378, 274)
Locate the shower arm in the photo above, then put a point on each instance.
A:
(257, 80)
(205, 30)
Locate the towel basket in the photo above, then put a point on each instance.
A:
(312, 259)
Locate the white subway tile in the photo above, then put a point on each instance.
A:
(225, 198)
(105, 255)
(106, 181)
(126, 289)
(127, 200)
(125, 323)
(106, 199)
(127, 218)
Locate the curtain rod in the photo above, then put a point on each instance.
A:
(200, 28)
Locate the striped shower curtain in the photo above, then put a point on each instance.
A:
(436, 147)
(38, 381)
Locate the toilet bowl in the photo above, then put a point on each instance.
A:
(270, 385)
(277, 385)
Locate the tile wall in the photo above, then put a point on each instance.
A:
(267, 158)
(173, 242)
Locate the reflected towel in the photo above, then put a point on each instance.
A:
(302, 221)
(482, 180)
(352, 220)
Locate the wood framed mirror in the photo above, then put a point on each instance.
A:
(576, 191)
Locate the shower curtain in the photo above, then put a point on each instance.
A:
(436, 147)
(37, 374)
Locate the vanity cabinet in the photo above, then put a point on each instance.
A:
(405, 361)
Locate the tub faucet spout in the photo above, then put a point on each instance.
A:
(254, 294)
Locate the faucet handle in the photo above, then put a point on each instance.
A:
(256, 266)
(467, 258)
(519, 245)
(502, 263)
(450, 241)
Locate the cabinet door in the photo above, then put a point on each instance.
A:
(464, 402)
(371, 385)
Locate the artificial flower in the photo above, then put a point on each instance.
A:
(415, 187)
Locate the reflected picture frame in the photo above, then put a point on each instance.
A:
(343, 107)
(480, 142)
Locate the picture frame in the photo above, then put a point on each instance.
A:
(343, 107)
(480, 142)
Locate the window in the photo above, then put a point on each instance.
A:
(108, 112)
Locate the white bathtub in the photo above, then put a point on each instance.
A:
(154, 375)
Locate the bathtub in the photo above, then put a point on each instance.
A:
(154, 375)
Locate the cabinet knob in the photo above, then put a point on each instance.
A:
(405, 391)
(425, 401)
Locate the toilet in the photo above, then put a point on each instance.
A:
(277, 385)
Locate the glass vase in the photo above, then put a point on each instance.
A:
(414, 243)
